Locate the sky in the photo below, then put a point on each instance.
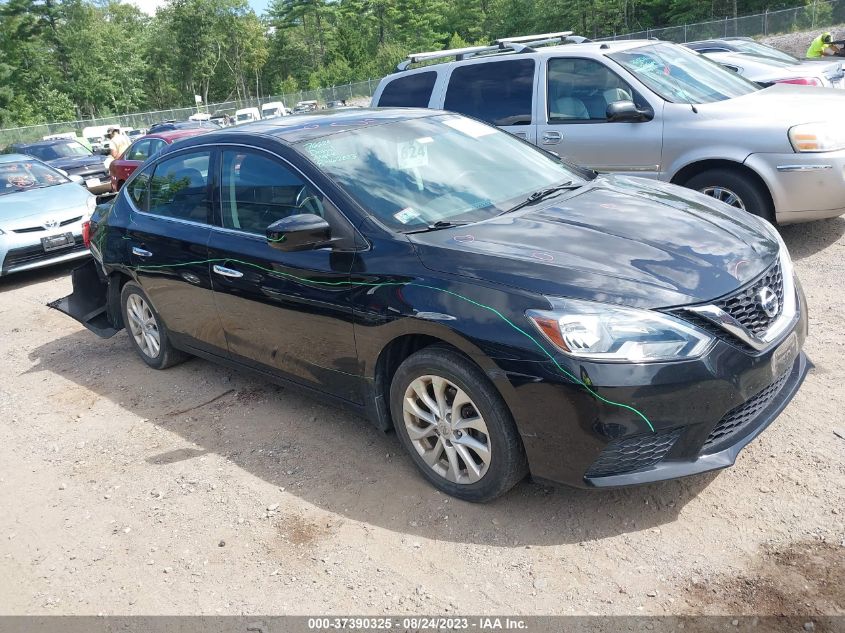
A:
(149, 6)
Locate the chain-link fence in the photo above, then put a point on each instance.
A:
(816, 15)
(357, 93)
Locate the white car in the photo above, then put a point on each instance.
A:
(42, 215)
(767, 71)
(246, 115)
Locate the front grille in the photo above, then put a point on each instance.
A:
(743, 305)
(633, 453)
(35, 229)
(32, 254)
(714, 330)
(740, 418)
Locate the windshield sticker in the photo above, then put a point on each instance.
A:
(324, 153)
(469, 127)
(412, 154)
(406, 215)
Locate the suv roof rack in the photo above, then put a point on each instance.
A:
(520, 44)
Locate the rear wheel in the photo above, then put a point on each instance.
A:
(734, 189)
(455, 425)
(146, 330)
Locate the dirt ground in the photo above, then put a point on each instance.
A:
(201, 491)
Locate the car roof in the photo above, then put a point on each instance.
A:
(14, 158)
(169, 136)
(311, 125)
(47, 143)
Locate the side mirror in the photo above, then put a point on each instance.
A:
(62, 172)
(300, 232)
(79, 180)
(627, 112)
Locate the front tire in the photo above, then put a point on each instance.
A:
(735, 189)
(456, 426)
(146, 331)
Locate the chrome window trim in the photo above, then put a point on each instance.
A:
(784, 323)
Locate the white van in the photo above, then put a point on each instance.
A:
(245, 115)
(96, 136)
(200, 116)
(273, 109)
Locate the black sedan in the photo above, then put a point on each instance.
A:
(71, 157)
(504, 312)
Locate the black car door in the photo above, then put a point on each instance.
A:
(167, 235)
(286, 312)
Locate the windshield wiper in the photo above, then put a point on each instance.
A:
(440, 224)
(542, 194)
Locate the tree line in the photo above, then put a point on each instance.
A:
(69, 59)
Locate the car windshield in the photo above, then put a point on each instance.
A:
(70, 149)
(761, 50)
(680, 75)
(246, 116)
(270, 111)
(415, 173)
(27, 174)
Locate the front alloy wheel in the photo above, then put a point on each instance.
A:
(455, 425)
(723, 194)
(446, 429)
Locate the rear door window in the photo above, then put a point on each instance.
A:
(179, 187)
(497, 92)
(410, 91)
(139, 151)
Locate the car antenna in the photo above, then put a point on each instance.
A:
(678, 85)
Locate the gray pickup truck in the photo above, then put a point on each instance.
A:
(646, 108)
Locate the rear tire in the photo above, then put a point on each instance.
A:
(146, 330)
(456, 426)
(736, 189)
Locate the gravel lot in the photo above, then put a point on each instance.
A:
(198, 490)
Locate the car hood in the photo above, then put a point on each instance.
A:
(77, 162)
(781, 105)
(36, 206)
(617, 240)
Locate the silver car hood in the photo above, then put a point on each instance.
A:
(35, 206)
(784, 104)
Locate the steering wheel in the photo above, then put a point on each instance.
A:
(308, 203)
(21, 180)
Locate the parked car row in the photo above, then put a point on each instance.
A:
(651, 109)
(451, 281)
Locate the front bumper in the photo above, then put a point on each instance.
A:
(804, 187)
(20, 252)
(703, 412)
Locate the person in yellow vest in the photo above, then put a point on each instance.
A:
(821, 46)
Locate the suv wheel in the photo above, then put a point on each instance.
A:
(734, 189)
(146, 330)
(455, 425)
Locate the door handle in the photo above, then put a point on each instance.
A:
(227, 272)
(140, 252)
(551, 137)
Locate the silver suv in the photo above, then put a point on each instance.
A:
(646, 108)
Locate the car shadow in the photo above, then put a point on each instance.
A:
(337, 461)
(809, 238)
(15, 281)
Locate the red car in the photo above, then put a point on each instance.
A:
(122, 167)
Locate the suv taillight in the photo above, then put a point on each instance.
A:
(86, 234)
(801, 81)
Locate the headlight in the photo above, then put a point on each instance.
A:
(91, 203)
(599, 331)
(824, 136)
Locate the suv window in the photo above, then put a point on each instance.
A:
(581, 90)
(410, 91)
(497, 92)
(139, 151)
(258, 190)
(179, 187)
